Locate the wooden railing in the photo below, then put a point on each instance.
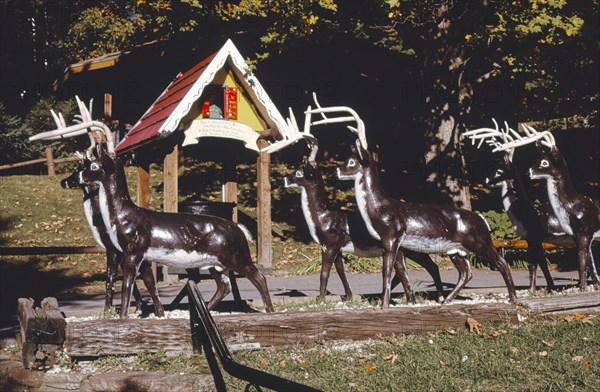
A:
(48, 160)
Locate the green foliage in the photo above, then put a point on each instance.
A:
(500, 225)
(98, 31)
(39, 119)
(10, 137)
(14, 132)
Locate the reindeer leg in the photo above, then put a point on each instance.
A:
(540, 257)
(137, 297)
(592, 266)
(223, 287)
(491, 254)
(250, 271)
(464, 275)
(340, 267)
(112, 265)
(532, 263)
(586, 261)
(148, 277)
(432, 268)
(327, 257)
(400, 268)
(130, 266)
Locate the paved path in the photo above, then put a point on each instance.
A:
(294, 288)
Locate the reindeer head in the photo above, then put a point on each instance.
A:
(505, 171)
(73, 181)
(99, 169)
(359, 160)
(305, 176)
(551, 164)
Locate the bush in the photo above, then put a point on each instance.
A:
(15, 132)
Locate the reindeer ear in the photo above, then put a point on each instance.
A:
(363, 154)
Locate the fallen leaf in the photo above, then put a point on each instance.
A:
(391, 357)
(549, 344)
(264, 362)
(588, 320)
(473, 325)
(450, 331)
(587, 364)
(577, 358)
(499, 332)
(543, 353)
(514, 349)
(371, 368)
(282, 364)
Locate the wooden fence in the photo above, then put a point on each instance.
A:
(48, 160)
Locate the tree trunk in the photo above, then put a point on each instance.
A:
(447, 102)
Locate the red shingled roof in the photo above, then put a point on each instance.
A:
(147, 129)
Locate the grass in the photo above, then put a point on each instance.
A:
(559, 354)
(538, 356)
(36, 211)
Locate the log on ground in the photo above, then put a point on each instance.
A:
(125, 337)
(581, 301)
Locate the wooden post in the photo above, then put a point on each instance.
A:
(107, 106)
(230, 189)
(264, 250)
(170, 191)
(143, 199)
(43, 332)
(50, 161)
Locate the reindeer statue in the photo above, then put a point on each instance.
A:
(337, 231)
(189, 241)
(422, 228)
(91, 208)
(535, 223)
(578, 215)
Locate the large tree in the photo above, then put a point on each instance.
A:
(521, 60)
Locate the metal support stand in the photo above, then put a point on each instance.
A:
(195, 276)
(206, 338)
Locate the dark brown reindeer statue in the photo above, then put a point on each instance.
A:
(91, 208)
(535, 223)
(189, 241)
(577, 214)
(336, 231)
(422, 228)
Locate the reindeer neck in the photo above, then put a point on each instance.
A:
(562, 186)
(369, 192)
(115, 192)
(315, 197)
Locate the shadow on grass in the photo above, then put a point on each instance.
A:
(5, 223)
(27, 278)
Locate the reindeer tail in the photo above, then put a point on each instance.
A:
(246, 232)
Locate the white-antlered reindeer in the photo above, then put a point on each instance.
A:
(91, 208)
(422, 228)
(338, 231)
(577, 214)
(183, 240)
(535, 223)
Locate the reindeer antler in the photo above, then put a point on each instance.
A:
(292, 136)
(545, 137)
(508, 136)
(84, 124)
(360, 125)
